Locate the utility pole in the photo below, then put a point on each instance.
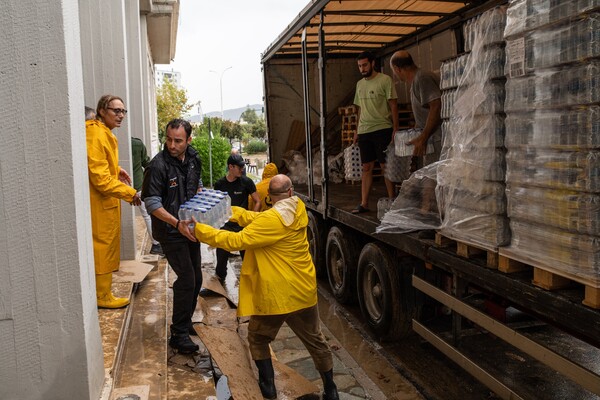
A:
(221, 86)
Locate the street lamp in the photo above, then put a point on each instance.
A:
(221, 86)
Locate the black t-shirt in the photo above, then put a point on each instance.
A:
(238, 190)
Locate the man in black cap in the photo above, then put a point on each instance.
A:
(239, 187)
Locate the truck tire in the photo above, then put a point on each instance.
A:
(385, 293)
(341, 255)
(315, 233)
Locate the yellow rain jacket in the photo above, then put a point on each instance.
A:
(277, 276)
(262, 188)
(105, 192)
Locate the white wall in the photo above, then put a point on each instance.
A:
(105, 56)
(49, 336)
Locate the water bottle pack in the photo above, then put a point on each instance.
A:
(525, 15)
(475, 134)
(397, 169)
(566, 129)
(401, 138)
(578, 171)
(352, 163)
(485, 29)
(210, 207)
(555, 45)
(563, 209)
(572, 86)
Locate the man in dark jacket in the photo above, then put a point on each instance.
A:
(172, 178)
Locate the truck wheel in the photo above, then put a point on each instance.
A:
(385, 293)
(315, 233)
(340, 256)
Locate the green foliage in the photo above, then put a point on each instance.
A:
(203, 129)
(171, 103)
(220, 151)
(255, 146)
(250, 116)
(259, 129)
(232, 130)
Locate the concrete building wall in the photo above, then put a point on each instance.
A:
(55, 57)
(107, 44)
(150, 133)
(49, 335)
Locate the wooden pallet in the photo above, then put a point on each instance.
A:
(546, 277)
(468, 249)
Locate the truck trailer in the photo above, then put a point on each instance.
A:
(524, 243)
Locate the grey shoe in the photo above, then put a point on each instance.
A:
(157, 249)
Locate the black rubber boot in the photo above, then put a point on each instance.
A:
(266, 378)
(183, 344)
(329, 388)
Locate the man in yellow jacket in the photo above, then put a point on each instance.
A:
(108, 186)
(262, 188)
(277, 281)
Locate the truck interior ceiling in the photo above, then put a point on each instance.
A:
(299, 89)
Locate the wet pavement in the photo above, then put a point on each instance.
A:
(364, 368)
(379, 380)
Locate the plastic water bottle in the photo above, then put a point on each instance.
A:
(226, 202)
(183, 212)
(220, 205)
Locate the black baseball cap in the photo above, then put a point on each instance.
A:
(236, 159)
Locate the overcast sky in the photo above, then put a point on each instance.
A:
(217, 34)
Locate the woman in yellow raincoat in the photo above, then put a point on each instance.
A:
(262, 188)
(277, 281)
(107, 187)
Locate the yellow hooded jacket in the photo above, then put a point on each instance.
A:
(278, 275)
(105, 192)
(262, 188)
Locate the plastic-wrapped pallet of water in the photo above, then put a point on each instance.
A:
(210, 207)
(383, 206)
(352, 164)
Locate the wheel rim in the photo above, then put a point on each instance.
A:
(337, 267)
(373, 293)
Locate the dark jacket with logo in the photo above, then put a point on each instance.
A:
(174, 182)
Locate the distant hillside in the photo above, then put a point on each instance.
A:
(232, 114)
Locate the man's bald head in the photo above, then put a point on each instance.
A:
(279, 187)
(402, 59)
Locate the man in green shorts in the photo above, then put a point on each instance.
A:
(377, 121)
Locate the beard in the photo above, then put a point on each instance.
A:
(368, 73)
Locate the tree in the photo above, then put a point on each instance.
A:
(171, 102)
(249, 116)
(213, 123)
(220, 150)
(258, 130)
(232, 131)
